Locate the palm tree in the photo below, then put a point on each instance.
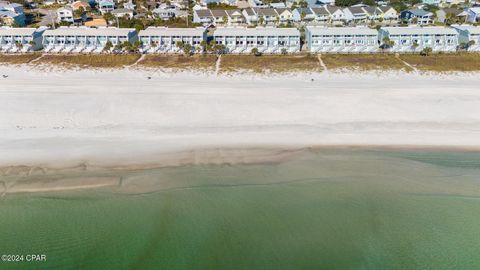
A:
(284, 51)
(387, 43)
(107, 46)
(470, 43)
(219, 48)
(127, 46)
(211, 46)
(187, 49)
(136, 46)
(254, 51)
(426, 51)
(179, 45)
(261, 20)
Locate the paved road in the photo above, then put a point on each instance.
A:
(49, 16)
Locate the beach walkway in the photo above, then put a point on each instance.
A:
(319, 56)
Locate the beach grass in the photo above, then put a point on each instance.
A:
(444, 62)
(202, 62)
(91, 60)
(18, 58)
(270, 63)
(364, 62)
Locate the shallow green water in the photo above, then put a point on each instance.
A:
(335, 209)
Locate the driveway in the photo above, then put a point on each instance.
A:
(49, 16)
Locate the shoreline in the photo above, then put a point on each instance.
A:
(152, 178)
(136, 179)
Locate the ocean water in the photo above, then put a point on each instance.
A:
(323, 209)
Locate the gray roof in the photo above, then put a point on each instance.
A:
(203, 13)
(258, 31)
(307, 11)
(320, 30)
(267, 12)
(370, 10)
(417, 30)
(9, 31)
(356, 10)
(218, 12)
(384, 8)
(250, 11)
(419, 12)
(281, 10)
(165, 31)
(320, 11)
(85, 31)
(331, 8)
(121, 10)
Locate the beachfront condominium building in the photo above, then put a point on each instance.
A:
(416, 38)
(20, 39)
(264, 39)
(341, 39)
(83, 39)
(469, 37)
(166, 40)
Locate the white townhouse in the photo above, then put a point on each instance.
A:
(265, 39)
(284, 14)
(341, 39)
(303, 14)
(83, 39)
(469, 36)
(355, 14)
(203, 16)
(267, 15)
(416, 38)
(164, 39)
(235, 17)
(122, 13)
(20, 39)
(328, 14)
(387, 13)
(250, 15)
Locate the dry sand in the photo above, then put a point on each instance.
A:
(123, 118)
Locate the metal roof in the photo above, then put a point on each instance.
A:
(320, 11)
(417, 30)
(86, 31)
(258, 31)
(165, 31)
(9, 31)
(419, 12)
(267, 12)
(218, 12)
(203, 13)
(320, 30)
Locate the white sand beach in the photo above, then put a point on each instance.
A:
(121, 117)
